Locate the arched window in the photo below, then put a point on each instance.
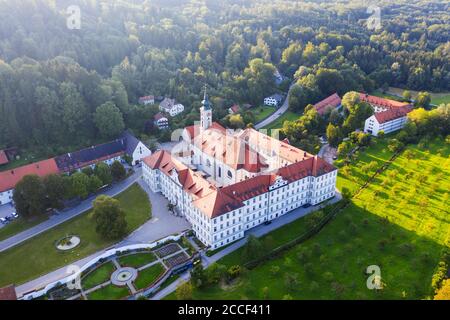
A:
(230, 175)
(208, 163)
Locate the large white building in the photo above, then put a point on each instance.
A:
(389, 115)
(227, 182)
(171, 107)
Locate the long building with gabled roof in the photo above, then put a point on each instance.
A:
(225, 182)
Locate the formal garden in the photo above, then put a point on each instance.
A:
(40, 254)
(129, 273)
(398, 222)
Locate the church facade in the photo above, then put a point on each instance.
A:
(225, 182)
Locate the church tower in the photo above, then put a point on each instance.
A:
(205, 113)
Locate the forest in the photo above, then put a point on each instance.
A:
(60, 88)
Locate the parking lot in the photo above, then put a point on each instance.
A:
(5, 211)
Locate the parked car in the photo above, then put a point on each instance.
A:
(14, 215)
(267, 223)
(3, 221)
(334, 158)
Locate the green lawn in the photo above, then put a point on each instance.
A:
(136, 260)
(100, 275)
(400, 224)
(436, 97)
(287, 116)
(109, 292)
(39, 256)
(440, 99)
(19, 225)
(263, 112)
(147, 276)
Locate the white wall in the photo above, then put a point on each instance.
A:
(6, 196)
(140, 152)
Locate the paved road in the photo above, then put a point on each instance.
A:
(162, 224)
(275, 115)
(257, 231)
(67, 215)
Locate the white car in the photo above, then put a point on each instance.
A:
(3, 220)
(14, 215)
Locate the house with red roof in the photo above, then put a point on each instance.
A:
(389, 115)
(226, 182)
(9, 178)
(3, 158)
(8, 293)
(234, 109)
(161, 121)
(147, 100)
(330, 103)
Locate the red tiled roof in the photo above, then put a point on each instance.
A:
(214, 202)
(9, 178)
(159, 116)
(392, 114)
(332, 101)
(230, 150)
(3, 157)
(146, 98)
(382, 102)
(8, 293)
(235, 108)
(194, 130)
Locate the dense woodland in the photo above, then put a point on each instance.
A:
(60, 88)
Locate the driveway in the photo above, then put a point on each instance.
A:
(280, 111)
(327, 153)
(162, 224)
(68, 214)
(258, 231)
(6, 210)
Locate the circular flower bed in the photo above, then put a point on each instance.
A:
(68, 243)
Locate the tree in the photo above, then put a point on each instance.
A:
(444, 292)
(236, 121)
(407, 95)
(103, 172)
(110, 222)
(80, 185)
(118, 171)
(334, 135)
(55, 190)
(291, 281)
(184, 291)
(253, 249)
(423, 100)
(198, 276)
(29, 196)
(109, 120)
(94, 184)
(234, 272)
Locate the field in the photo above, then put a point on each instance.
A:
(262, 112)
(436, 98)
(399, 223)
(38, 255)
(278, 124)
